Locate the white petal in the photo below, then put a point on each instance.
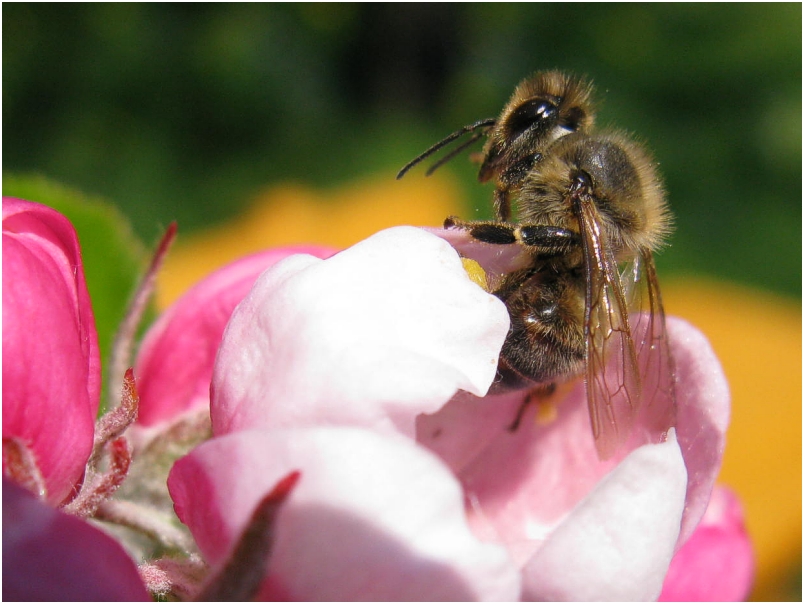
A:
(372, 517)
(617, 544)
(372, 336)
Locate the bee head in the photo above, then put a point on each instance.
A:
(543, 108)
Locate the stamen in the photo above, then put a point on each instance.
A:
(19, 465)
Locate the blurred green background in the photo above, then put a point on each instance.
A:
(181, 111)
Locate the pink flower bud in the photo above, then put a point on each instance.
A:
(51, 363)
(51, 556)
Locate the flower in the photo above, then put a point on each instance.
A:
(51, 363)
(380, 339)
(761, 360)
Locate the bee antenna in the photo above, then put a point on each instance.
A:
(454, 153)
(448, 139)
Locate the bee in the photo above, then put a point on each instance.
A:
(583, 296)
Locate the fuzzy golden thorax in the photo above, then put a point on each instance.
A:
(619, 176)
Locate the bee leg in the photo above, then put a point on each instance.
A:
(501, 205)
(548, 239)
(487, 232)
(510, 178)
(534, 396)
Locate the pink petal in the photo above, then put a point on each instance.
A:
(703, 414)
(51, 556)
(496, 259)
(371, 337)
(616, 545)
(51, 362)
(522, 484)
(716, 563)
(174, 365)
(372, 517)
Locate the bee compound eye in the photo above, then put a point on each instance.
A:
(546, 110)
(536, 113)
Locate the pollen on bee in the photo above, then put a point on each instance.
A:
(546, 400)
(475, 272)
(546, 412)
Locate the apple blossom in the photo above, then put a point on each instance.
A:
(317, 344)
(51, 389)
(51, 362)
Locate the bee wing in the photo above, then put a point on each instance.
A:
(612, 374)
(655, 362)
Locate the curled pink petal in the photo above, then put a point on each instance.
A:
(174, 365)
(52, 556)
(616, 545)
(717, 562)
(522, 484)
(372, 517)
(51, 362)
(703, 414)
(496, 259)
(372, 336)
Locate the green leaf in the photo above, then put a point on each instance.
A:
(113, 257)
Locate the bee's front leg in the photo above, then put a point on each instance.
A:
(489, 232)
(546, 240)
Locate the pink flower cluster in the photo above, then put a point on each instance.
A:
(353, 385)
(51, 391)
